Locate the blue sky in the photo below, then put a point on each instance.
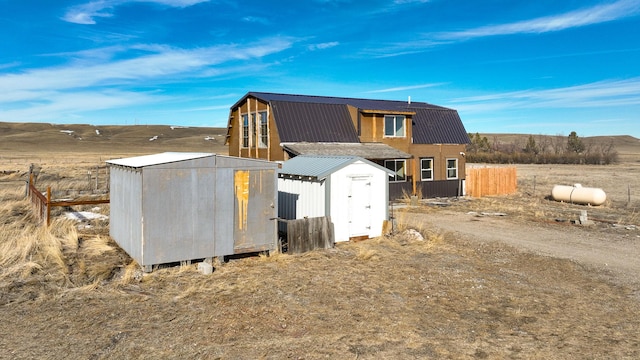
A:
(540, 67)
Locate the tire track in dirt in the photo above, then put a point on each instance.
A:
(614, 253)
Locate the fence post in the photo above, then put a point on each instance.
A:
(48, 205)
(27, 191)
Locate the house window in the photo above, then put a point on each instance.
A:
(253, 128)
(245, 130)
(264, 135)
(394, 126)
(426, 169)
(452, 169)
(398, 167)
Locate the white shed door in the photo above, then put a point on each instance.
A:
(360, 206)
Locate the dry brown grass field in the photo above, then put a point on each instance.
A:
(528, 284)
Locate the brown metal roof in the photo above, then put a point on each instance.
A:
(313, 122)
(304, 118)
(438, 126)
(368, 104)
(373, 151)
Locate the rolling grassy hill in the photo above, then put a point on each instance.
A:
(137, 139)
(37, 137)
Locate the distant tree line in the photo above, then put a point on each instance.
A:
(545, 150)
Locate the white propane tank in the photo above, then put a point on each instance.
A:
(578, 194)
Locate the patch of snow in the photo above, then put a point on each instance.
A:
(68, 132)
(97, 132)
(84, 216)
(208, 138)
(414, 234)
(178, 127)
(474, 213)
(154, 138)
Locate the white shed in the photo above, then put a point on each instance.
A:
(351, 190)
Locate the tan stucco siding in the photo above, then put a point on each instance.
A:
(372, 130)
(440, 153)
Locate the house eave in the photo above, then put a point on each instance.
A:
(387, 112)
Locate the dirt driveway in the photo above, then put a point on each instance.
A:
(613, 251)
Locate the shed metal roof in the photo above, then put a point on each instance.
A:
(319, 167)
(376, 151)
(156, 159)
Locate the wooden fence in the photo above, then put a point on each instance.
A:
(491, 181)
(42, 204)
(309, 234)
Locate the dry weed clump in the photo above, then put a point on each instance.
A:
(50, 259)
(406, 231)
(130, 274)
(366, 254)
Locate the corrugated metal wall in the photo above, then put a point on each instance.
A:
(125, 220)
(255, 210)
(178, 204)
(298, 199)
(188, 210)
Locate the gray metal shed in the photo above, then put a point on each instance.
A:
(172, 207)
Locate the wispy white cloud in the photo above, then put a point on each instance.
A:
(578, 18)
(160, 62)
(257, 20)
(93, 80)
(9, 65)
(404, 2)
(58, 106)
(207, 108)
(87, 13)
(401, 48)
(389, 7)
(174, 3)
(404, 88)
(601, 94)
(323, 46)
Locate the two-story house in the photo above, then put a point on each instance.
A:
(423, 144)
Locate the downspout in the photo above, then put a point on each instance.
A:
(374, 127)
(249, 127)
(257, 130)
(268, 132)
(413, 171)
(240, 130)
